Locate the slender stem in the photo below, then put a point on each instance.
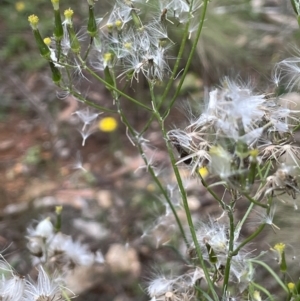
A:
(190, 58)
(177, 62)
(88, 49)
(163, 191)
(252, 203)
(255, 233)
(296, 128)
(188, 212)
(91, 104)
(117, 90)
(230, 209)
(152, 173)
(245, 216)
(158, 182)
(94, 74)
(261, 288)
(255, 202)
(275, 276)
(248, 239)
(222, 204)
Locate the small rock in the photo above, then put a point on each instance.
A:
(123, 259)
(104, 199)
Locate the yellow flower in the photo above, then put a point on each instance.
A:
(119, 24)
(253, 153)
(58, 209)
(20, 5)
(279, 248)
(256, 296)
(47, 41)
(55, 4)
(291, 286)
(33, 21)
(107, 57)
(108, 124)
(128, 45)
(203, 171)
(68, 13)
(110, 26)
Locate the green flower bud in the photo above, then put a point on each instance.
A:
(211, 253)
(108, 78)
(43, 48)
(92, 25)
(58, 29)
(56, 75)
(75, 45)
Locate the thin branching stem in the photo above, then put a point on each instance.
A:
(190, 58)
(275, 276)
(176, 65)
(99, 78)
(249, 198)
(213, 194)
(229, 209)
(159, 183)
(91, 104)
(188, 213)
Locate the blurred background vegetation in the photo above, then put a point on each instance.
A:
(110, 202)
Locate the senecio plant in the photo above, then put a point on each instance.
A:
(54, 255)
(240, 144)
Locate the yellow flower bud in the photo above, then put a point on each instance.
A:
(256, 296)
(119, 24)
(68, 13)
(280, 247)
(33, 21)
(253, 152)
(110, 26)
(19, 6)
(58, 209)
(127, 45)
(203, 171)
(108, 124)
(291, 286)
(55, 4)
(47, 41)
(107, 57)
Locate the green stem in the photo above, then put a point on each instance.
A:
(245, 216)
(158, 182)
(248, 239)
(252, 203)
(112, 87)
(117, 90)
(265, 291)
(296, 128)
(256, 232)
(230, 247)
(255, 202)
(176, 65)
(152, 173)
(88, 49)
(190, 58)
(187, 210)
(275, 276)
(91, 104)
(222, 204)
